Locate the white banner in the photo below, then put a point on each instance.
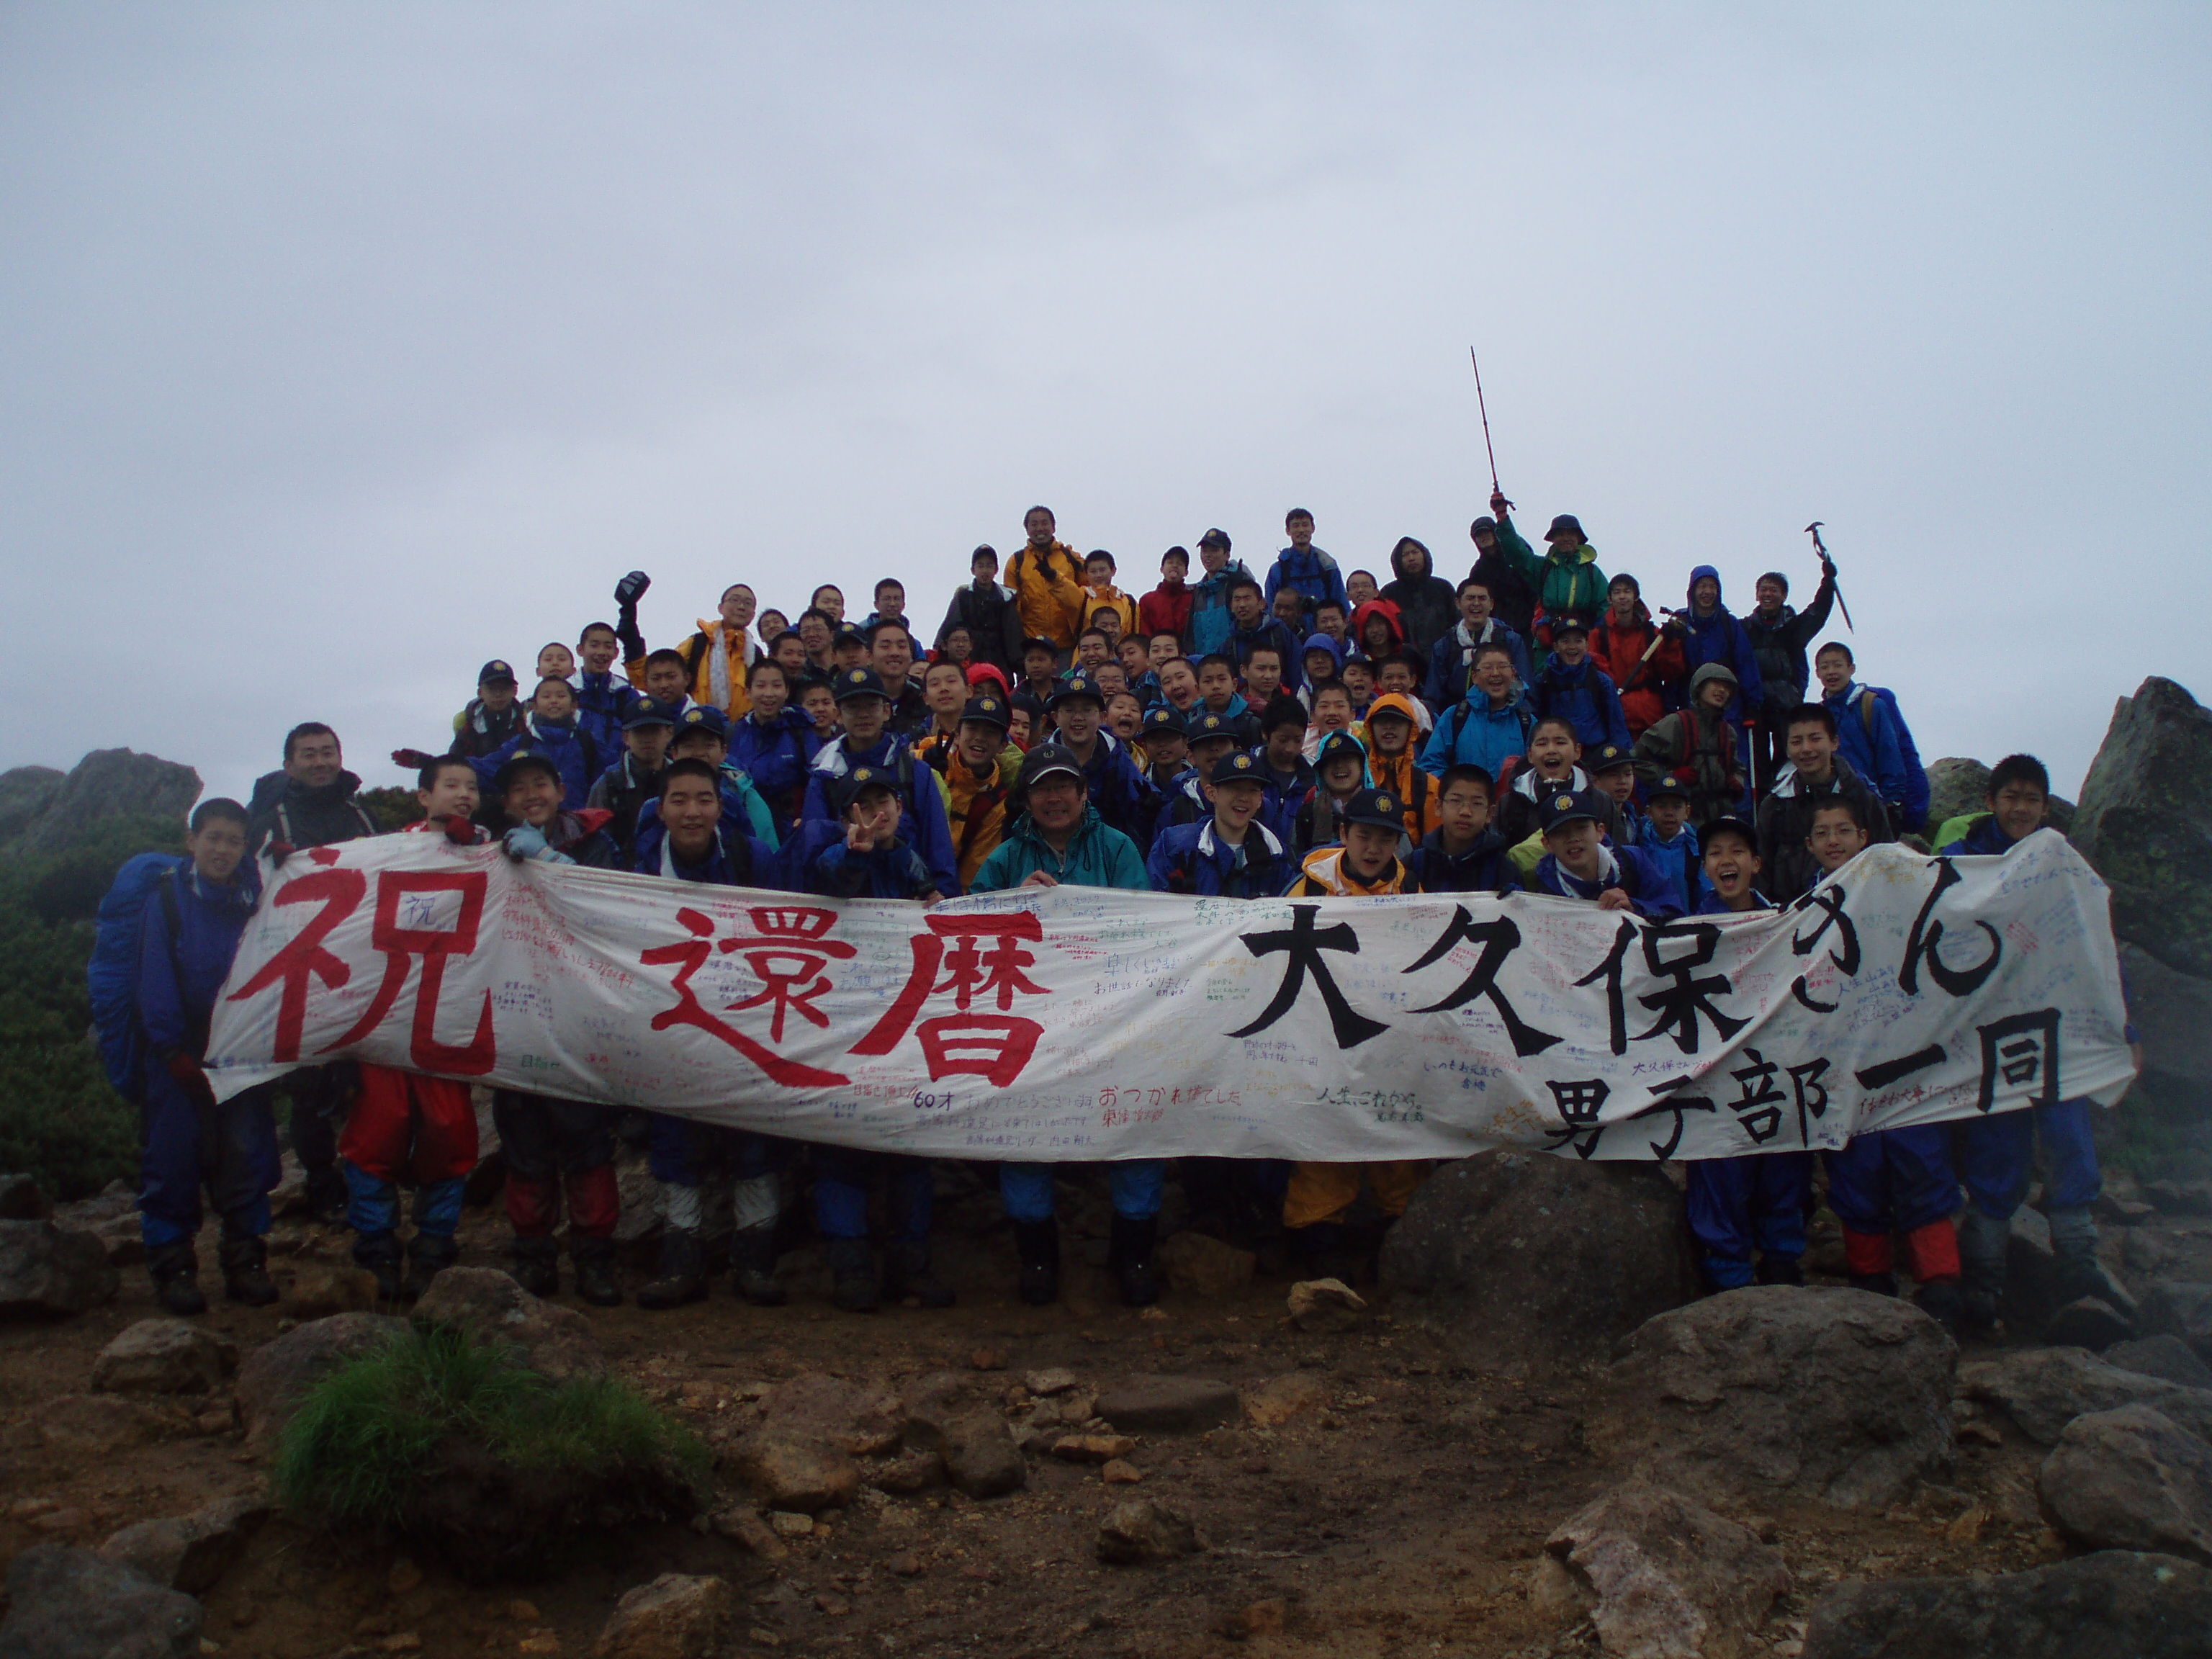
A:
(1078, 1022)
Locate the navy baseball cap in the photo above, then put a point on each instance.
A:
(1074, 686)
(1668, 785)
(704, 717)
(1160, 718)
(646, 711)
(1730, 823)
(1210, 726)
(496, 672)
(844, 791)
(1049, 760)
(1567, 806)
(1237, 766)
(987, 711)
(1383, 808)
(1569, 624)
(1607, 757)
(525, 760)
(859, 682)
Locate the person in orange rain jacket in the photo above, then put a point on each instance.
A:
(977, 768)
(1391, 727)
(1047, 577)
(1650, 687)
(718, 658)
(1099, 593)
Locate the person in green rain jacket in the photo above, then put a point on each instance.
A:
(1565, 577)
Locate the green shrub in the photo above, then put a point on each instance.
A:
(437, 1435)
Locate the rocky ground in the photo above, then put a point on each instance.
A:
(1352, 1481)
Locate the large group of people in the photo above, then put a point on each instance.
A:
(1304, 731)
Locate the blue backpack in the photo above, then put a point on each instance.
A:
(1916, 775)
(113, 974)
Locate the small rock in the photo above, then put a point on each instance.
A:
(1657, 1573)
(1143, 1530)
(2180, 1197)
(1120, 1472)
(905, 1564)
(1077, 1408)
(1056, 1381)
(764, 1638)
(66, 1603)
(1284, 1398)
(404, 1577)
(792, 1472)
(162, 1356)
(1168, 1405)
(555, 1341)
(539, 1644)
(2166, 1357)
(1967, 1528)
(312, 1290)
(788, 1523)
(2142, 1252)
(988, 1359)
(2087, 1323)
(675, 1617)
(523, 1613)
(1196, 1265)
(21, 1200)
(2112, 1603)
(405, 1641)
(191, 1552)
(1326, 1305)
(52, 1271)
(981, 1457)
(1260, 1619)
(63, 1520)
(1092, 1448)
(909, 1472)
(2132, 1479)
(745, 1526)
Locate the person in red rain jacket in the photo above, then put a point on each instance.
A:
(1648, 689)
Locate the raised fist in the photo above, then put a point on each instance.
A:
(631, 588)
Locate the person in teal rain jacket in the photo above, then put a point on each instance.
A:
(1059, 837)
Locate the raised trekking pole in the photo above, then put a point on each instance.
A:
(1828, 565)
(1485, 408)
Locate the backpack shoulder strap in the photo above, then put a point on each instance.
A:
(1866, 711)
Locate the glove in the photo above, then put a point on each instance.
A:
(413, 759)
(460, 832)
(1499, 504)
(524, 843)
(279, 851)
(631, 588)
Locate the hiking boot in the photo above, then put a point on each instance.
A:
(1130, 1255)
(380, 1254)
(1037, 1243)
(429, 1254)
(1780, 1270)
(537, 1266)
(246, 1271)
(325, 1198)
(593, 1259)
(855, 1287)
(1982, 1246)
(2079, 1273)
(682, 1274)
(1875, 1283)
(907, 1275)
(1942, 1301)
(176, 1269)
(752, 1249)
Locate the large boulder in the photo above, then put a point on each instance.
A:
(1956, 787)
(274, 1379)
(2164, 1356)
(1521, 1258)
(2132, 1479)
(1168, 1405)
(2172, 1010)
(111, 783)
(2114, 1603)
(796, 1472)
(2145, 823)
(66, 1603)
(162, 1356)
(1776, 1393)
(2179, 1307)
(2043, 1389)
(675, 1617)
(1659, 1573)
(555, 1341)
(49, 1270)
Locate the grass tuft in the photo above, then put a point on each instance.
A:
(360, 1447)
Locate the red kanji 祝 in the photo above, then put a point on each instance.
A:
(968, 1043)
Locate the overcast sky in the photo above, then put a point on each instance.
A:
(344, 347)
